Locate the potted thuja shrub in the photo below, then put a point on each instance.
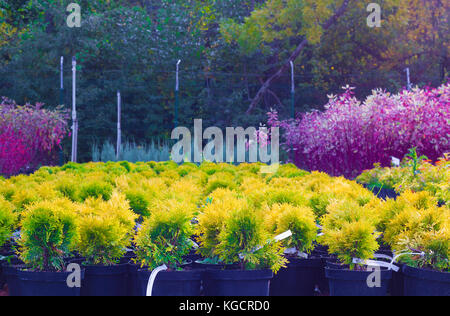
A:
(7, 224)
(210, 222)
(423, 248)
(303, 274)
(349, 232)
(161, 243)
(48, 234)
(106, 230)
(244, 242)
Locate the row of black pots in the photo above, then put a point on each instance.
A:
(408, 281)
(129, 279)
(303, 277)
(345, 282)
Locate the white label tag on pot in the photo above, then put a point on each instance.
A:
(283, 236)
(396, 162)
(374, 263)
(381, 256)
(303, 255)
(151, 280)
(290, 251)
(194, 244)
(277, 238)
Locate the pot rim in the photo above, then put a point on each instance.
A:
(352, 275)
(230, 275)
(426, 274)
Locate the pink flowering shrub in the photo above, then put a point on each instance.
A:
(351, 136)
(14, 154)
(28, 135)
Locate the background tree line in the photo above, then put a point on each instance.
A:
(228, 48)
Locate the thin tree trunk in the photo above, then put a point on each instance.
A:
(293, 57)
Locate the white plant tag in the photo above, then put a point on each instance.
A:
(303, 255)
(152, 278)
(194, 244)
(283, 236)
(396, 162)
(290, 251)
(277, 238)
(374, 263)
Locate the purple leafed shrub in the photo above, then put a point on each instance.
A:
(14, 154)
(351, 136)
(28, 135)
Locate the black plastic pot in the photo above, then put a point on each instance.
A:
(2, 276)
(397, 286)
(105, 280)
(420, 282)
(5, 254)
(133, 283)
(206, 284)
(354, 283)
(238, 282)
(10, 273)
(46, 283)
(301, 278)
(172, 283)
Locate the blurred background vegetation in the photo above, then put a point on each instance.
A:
(228, 50)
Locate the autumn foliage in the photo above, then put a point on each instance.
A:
(351, 136)
(28, 135)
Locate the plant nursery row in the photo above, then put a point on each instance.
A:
(164, 229)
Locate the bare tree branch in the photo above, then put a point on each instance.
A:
(293, 57)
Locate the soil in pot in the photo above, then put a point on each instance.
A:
(302, 277)
(320, 251)
(172, 283)
(105, 280)
(344, 282)
(385, 250)
(383, 193)
(422, 282)
(193, 256)
(207, 265)
(46, 283)
(238, 282)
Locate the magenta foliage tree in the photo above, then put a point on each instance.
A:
(351, 136)
(14, 154)
(28, 134)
